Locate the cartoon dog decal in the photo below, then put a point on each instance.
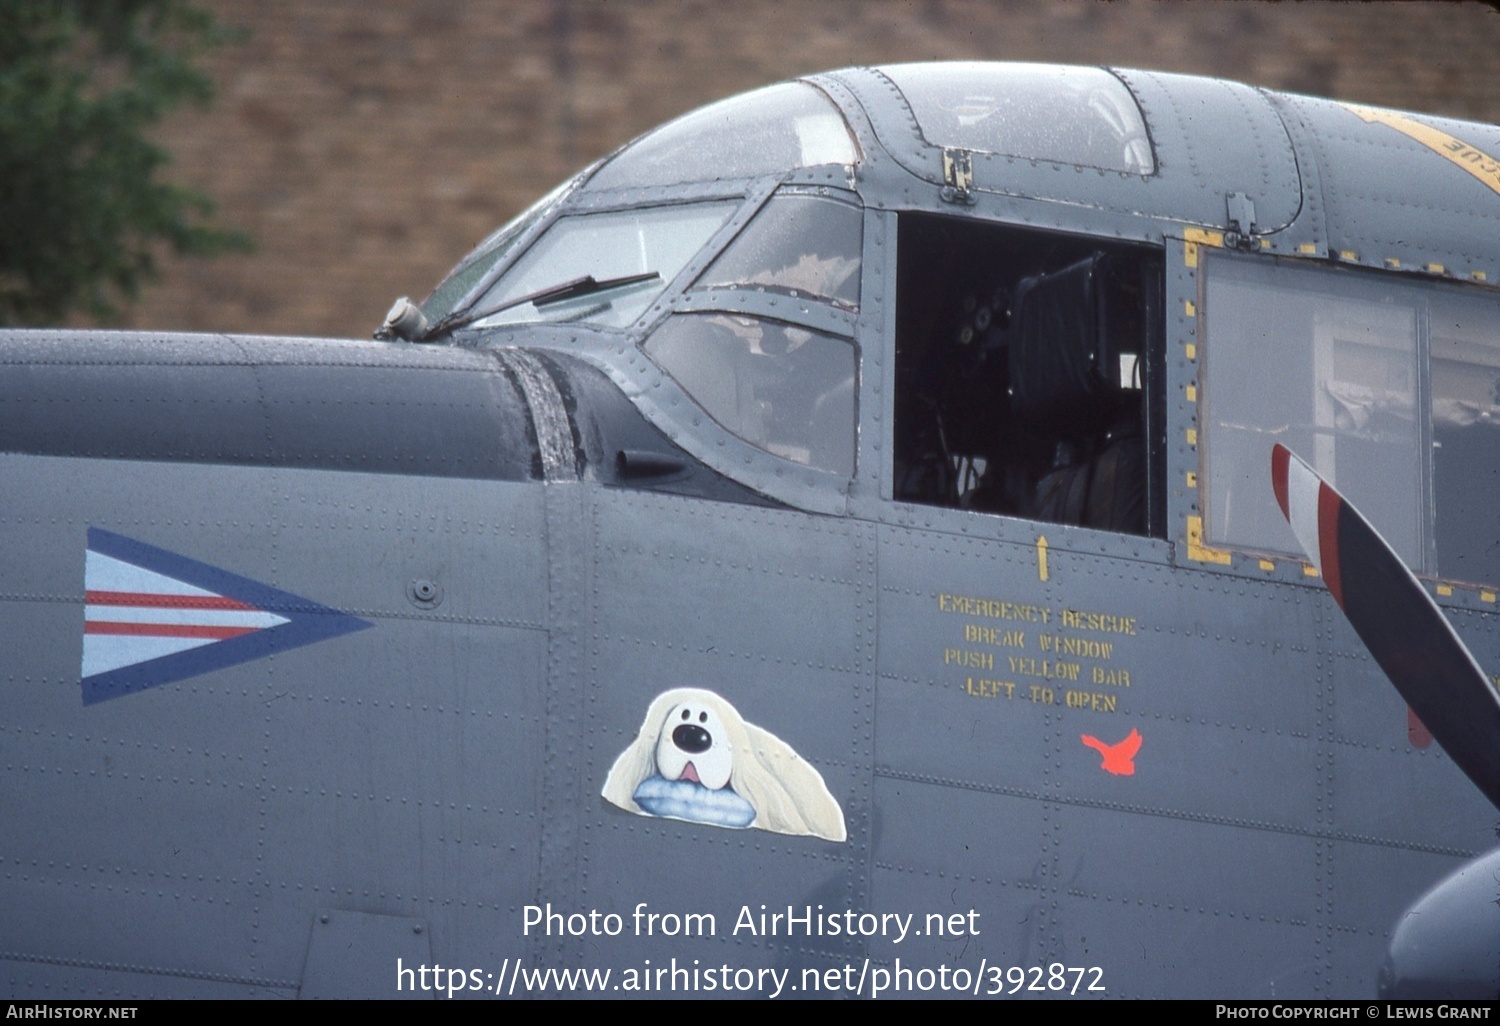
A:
(696, 759)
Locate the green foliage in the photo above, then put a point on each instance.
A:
(82, 206)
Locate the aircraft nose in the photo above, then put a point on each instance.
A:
(692, 738)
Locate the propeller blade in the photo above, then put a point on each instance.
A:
(1398, 621)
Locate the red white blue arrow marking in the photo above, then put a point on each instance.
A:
(153, 617)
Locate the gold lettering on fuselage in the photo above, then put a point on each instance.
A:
(1064, 658)
(1470, 158)
(1106, 675)
(1000, 637)
(983, 687)
(1104, 622)
(1094, 701)
(968, 658)
(1047, 669)
(1087, 648)
(993, 609)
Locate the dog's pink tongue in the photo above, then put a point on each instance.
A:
(690, 772)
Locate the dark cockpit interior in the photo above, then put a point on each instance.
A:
(1025, 374)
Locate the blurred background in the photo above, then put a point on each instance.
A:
(366, 145)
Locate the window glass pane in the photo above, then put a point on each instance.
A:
(806, 244)
(608, 246)
(786, 389)
(1326, 363)
(768, 131)
(1465, 346)
(1071, 115)
(486, 255)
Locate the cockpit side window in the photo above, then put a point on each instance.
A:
(804, 244)
(786, 389)
(1025, 369)
(1363, 375)
(763, 340)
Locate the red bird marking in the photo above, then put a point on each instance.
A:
(1118, 758)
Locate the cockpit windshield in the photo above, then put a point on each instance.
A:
(487, 255)
(602, 268)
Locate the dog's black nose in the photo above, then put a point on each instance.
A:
(692, 738)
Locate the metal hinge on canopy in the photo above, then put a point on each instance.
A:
(1240, 210)
(958, 176)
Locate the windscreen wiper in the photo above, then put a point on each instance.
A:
(574, 288)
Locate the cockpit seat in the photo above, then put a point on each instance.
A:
(1104, 490)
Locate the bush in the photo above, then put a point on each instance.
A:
(82, 204)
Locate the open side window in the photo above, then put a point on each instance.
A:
(1027, 375)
